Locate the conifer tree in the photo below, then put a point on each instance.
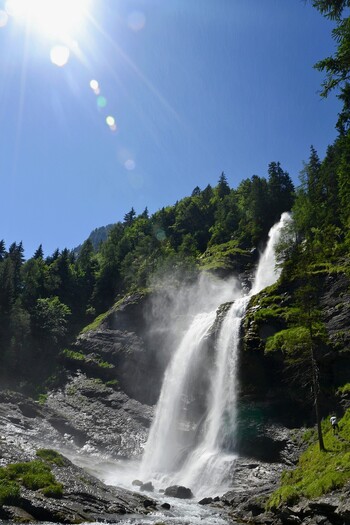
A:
(280, 191)
(2, 250)
(129, 217)
(222, 188)
(39, 253)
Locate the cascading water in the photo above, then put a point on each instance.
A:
(175, 452)
(166, 438)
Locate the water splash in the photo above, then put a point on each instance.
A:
(198, 453)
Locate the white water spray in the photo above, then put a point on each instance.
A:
(174, 452)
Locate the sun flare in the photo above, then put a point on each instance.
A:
(52, 18)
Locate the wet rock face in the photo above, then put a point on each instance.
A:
(123, 340)
(84, 498)
(263, 376)
(98, 418)
(88, 419)
(86, 416)
(335, 302)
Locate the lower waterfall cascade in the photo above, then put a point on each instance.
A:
(197, 449)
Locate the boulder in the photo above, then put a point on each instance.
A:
(137, 483)
(147, 487)
(205, 501)
(178, 491)
(149, 503)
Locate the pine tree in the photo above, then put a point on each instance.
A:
(129, 217)
(15, 254)
(2, 250)
(222, 188)
(280, 191)
(39, 253)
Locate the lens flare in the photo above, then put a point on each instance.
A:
(93, 85)
(15, 8)
(110, 121)
(59, 55)
(58, 18)
(136, 180)
(101, 102)
(136, 21)
(130, 164)
(3, 18)
(160, 235)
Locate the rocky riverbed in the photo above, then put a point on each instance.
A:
(99, 428)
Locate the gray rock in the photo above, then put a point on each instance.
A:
(205, 501)
(149, 503)
(178, 491)
(137, 483)
(147, 487)
(85, 498)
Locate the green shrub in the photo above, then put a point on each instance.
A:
(18, 470)
(42, 398)
(95, 323)
(53, 491)
(75, 356)
(9, 492)
(36, 475)
(288, 495)
(33, 475)
(345, 389)
(105, 364)
(37, 480)
(51, 456)
(288, 340)
(112, 382)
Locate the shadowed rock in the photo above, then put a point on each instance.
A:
(178, 491)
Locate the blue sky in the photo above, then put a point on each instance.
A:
(196, 87)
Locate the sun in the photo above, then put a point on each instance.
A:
(56, 19)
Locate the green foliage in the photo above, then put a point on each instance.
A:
(105, 364)
(95, 323)
(345, 389)
(318, 472)
(288, 341)
(309, 436)
(37, 480)
(53, 491)
(51, 456)
(50, 319)
(42, 398)
(112, 382)
(336, 67)
(82, 358)
(9, 492)
(224, 256)
(75, 356)
(33, 475)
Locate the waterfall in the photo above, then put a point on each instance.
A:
(175, 452)
(166, 438)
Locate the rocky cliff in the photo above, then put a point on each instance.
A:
(263, 375)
